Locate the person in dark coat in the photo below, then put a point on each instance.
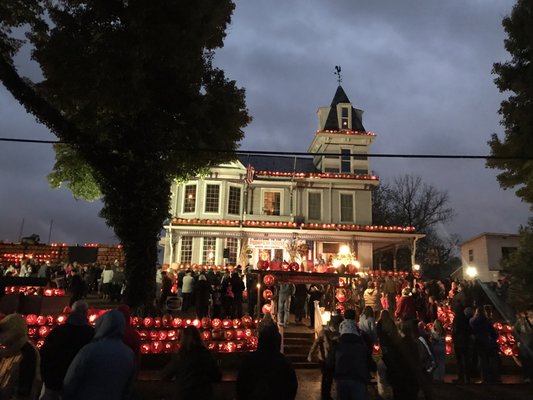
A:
(166, 290)
(251, 287)
(193, 367)
(237, 286)
(485, 345)
(61, 346)
(77, 287)
(300, 296)
(462, 343)
(267, 374)
(104, 368)
(351, 363)
(202, 291)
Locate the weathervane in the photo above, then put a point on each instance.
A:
(338, 73)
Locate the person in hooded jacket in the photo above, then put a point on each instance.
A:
(61, 346)
(104, 368)
(267, 374)
(193, 367)
(351, 363)
(19, 360)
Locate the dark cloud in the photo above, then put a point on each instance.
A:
(421, 71)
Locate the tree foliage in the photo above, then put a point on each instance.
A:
(516, 77)
(131, 90)
(70, 169)
(519, 265)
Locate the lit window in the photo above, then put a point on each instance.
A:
(272, 203)
(186, 250)
(345, 124)
(189, 199)
(346, 207)
(234, 200)
(209, 250)
(314, 205)
(346, 162)
(212, 194)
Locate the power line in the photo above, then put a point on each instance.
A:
(273, 153)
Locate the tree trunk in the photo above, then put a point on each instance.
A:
(141, 260)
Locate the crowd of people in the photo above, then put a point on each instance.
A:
(398, 314)
(107, 281)
(401, 316)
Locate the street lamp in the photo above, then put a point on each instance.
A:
(471, 272)
(416, 267)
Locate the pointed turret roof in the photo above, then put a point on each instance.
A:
(332, 122)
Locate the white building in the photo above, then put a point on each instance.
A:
(485, 252)
(317, 203)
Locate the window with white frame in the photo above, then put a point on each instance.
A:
(234, 200)
(345, 120)
(232, 245)
(189, 199)
(209, 250)
(314, 205)
(272, 203)
(346, 162)
(212, 197)
(186, 250)
(346, 201)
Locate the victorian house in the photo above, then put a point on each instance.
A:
(314, 208)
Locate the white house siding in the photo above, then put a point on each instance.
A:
(487, 252)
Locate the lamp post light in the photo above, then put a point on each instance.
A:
(471, 272)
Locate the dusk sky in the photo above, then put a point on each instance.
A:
(420, 70)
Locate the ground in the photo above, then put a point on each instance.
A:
(309, 389)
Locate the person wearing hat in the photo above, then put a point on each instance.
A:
(406, 309)
(351, 363)
(19, 360)
(326, 340)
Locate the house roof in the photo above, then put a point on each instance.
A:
(332, 122)
(279, 163)
(491, 234)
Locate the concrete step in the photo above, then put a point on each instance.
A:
(296, 349)
(305, 365)
(299, 335)
(296, 341)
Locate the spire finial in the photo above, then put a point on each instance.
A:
(338, 73)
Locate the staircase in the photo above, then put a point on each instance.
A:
(296, 346)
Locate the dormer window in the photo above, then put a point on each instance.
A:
(345, 121)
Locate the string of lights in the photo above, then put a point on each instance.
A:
(274, 153)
